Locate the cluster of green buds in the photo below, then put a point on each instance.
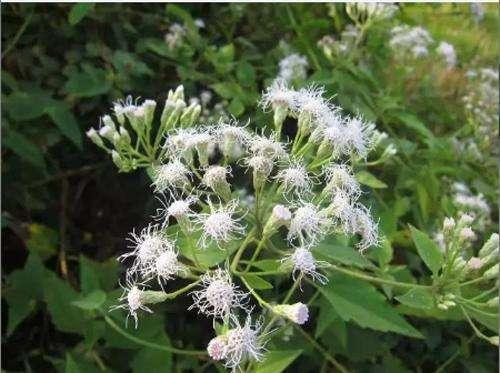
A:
(130, 136)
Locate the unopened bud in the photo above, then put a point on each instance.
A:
(494, 340)
(467, 234)
(125, 137)
(465, 220)
(448, 225)
(493, 302)
(298, 312)
(95, 138)
(280, 216)
(489, 246)
(117, 160)
(108, 132)
(149, 107)
(474, 263)
(190, 114)
(215, 179)
(280, 114)
(491, 273)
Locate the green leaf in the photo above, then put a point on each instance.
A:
(228, 90)
(360, 302)
(277, 361)
(59, 296)
(329, 249)
(25, 149)
(236, 107)
(412, 122)
(88, 83)
(154, 360)
(97, 275)
(66, 122)
(427, 249)
(418, 298)
(366, 178)
(25, 106)
(245, 74)
(92, 301)
(267, 264)
(24, 288)
(78, 12)
(257, 282)
(42, 240)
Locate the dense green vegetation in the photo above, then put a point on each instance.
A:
(66, 210)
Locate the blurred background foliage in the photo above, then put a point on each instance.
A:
(65, 211)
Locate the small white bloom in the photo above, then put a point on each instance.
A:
(447, 51)
(307, 224)
(146, 248)
(297, 313)
(340, 177)
(293, 67)
(278, 94)
(178, 209)
(363, 224)
(218, 225)
(295, 179)
(215, 179)
(218, 295)
(303, 262)
(280, 216)
(132, 300)
(358, 134)
(267, 147)
(239, 344)
(467, 234)
(475, 263)
(171, 176)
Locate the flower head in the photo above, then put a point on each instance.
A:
(146, 248)
(307, 224)
(219, 225)
(295, 179)
(278, 94)
(303, 262)
(132, 300)
(171, 176)
(218, 295)
(239, 344)
(339, 177)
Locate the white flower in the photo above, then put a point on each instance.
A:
(132, 300)
(293, 67)
(215, 179)
(414, 40)
(171, 176)
(265, 146)
(219, 225)
(342, 210)
(181, 144)
(447, 51)
(146, 248)
(467, 234)
(340, 177)
(239, 344)
(218, 295)
(358, 135)
(295, 179)
(281, 215)
(178, 209)
(307, 224)
(298, 312)
(303, 262)
(310, 100)
(278, 94)
(363, 224)
(175, 35)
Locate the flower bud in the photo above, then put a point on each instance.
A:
(297, 313)
(466, 235)
(179, 93)
(95, 138)
(474, 263)
(215, 179)
(149, 107)
(459, 264)
(125, 137)
(106, 119)
(280, 114)
(465, 220)
(107, 132)
(190, 115)
(493, 302)
(217, 348)
(448, 225)
(262, 167)
(491, 273)
(490, 246)
(117, 160)
(280, 216)
(494, 340)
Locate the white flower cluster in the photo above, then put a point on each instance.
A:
(481, 103)
(465, 200)
(410, 40)
(307, 189)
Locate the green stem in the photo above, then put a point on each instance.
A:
(241, 249)
(474, 327)
(142, 342)
(18, 35)
(255, 254)
(376, 279)
(474, 281)
(323, 352)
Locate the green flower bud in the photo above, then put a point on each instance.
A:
(489, 246)
(280, 114)
(491, 273)
(95, 138)
(493, 302)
